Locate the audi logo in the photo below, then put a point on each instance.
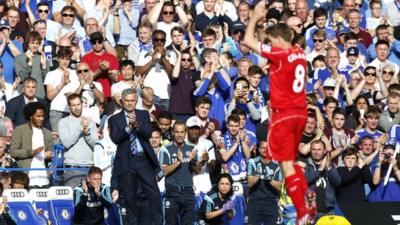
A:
(41, 194)
(62, 192)
(17, 194)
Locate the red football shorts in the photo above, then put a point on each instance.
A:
(285, 132)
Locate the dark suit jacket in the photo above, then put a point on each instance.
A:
(15, 111)
(120, 137)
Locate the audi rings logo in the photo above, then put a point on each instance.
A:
(235, 188)
(62, 192)
(41, 194)
(17, 194)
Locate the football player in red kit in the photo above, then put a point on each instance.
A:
(288, 103)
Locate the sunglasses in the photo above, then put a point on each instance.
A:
(319, 40)
(186, 60)
(68, 15)
(237, 31)
(168, 13)
(300, 25)
(43, 11)
(96, 41)
(159, 40)
(82, 71)
(388, 72)
(369, 74)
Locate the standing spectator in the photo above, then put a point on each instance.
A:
(164, 122)
(382, 49)
(167, 10)
(78, 134)
(182, 86)
(91, 199)
(103, 64)
(371, 126)
(156, 66)
(146, 103)
(296, 24)
(13, 18)
(219, 202)
(178, 166)
(108, 18)
(5, 159)
(391, 115)
(354, 174)
(323, 178)
(129, 80)
(43, 11)
(69, 25)
(236, 150)
(160, 151)
(213, 13)
(58, 7)
(49, 47)
(31, 144)
(60, 83)
(210, 127)
(14, 106)
(383, 32)
(8, 52)
(265, 182)
(320, 16)
(389, 192)
(135, 161)
(33, 63)
(142, 43)
(205, 156)
(129, 21)
(354, 19)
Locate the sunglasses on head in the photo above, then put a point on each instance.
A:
(82, 71)
(43, 11)
(96, 41)
(388, 72)
(319, 40)
(159, 39)
(68, 15)
(370, 74)
(168, 13)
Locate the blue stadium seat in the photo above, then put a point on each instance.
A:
(199, 199)
(112, 216)
(57, 162)
(21, 207)
(61, 205)
(40, 198)
(240, 212)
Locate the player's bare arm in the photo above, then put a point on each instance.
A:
(249, 40)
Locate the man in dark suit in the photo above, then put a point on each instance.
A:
(14, 107)
(135, 161)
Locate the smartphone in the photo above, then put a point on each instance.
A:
(239, 87)
(362, 112)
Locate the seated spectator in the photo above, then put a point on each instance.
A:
(19, 180)
(354, 174)
(389, 192)
(219, 202)
(31, 144)
(33, 63)
(14, 106)
(91, 199)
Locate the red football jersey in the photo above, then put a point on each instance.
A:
(288, 74)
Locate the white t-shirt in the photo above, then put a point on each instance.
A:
(167, 27)
(201, 181)
(90, 108)
(54, 78)
(159, 81)
(38, 177)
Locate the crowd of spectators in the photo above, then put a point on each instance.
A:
(65, 63)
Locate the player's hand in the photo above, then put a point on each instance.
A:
(259, 11)
(115, 196)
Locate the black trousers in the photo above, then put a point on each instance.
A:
(141, 173)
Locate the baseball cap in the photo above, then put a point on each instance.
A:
(96, 36)
(4, 24)
(193, 121)
(329, 83)
(238, 25)
(352, 51)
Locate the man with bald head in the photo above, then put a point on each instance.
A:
(295, 23)
(302, 11)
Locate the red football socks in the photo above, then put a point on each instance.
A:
(303, 182)
(294, 188)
